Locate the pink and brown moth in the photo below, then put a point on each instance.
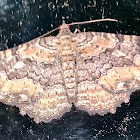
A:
(95, 71)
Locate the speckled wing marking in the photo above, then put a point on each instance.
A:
(31, 80)
(109, 70)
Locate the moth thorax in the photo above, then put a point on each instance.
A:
(65, 40)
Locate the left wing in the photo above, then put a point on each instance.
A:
(30, 79)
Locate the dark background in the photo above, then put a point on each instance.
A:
(23, 20)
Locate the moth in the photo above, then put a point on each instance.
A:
(95, 71)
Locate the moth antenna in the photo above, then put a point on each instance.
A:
(92, 21)
(84, 22)
(49, 32)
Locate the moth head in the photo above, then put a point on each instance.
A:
(64, 26)
(64, 29)
(65, 35)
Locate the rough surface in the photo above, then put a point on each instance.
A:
(95, 71)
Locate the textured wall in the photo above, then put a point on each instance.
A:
(21, 21)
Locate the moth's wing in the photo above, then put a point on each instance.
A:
(30, 79)
(108, 70)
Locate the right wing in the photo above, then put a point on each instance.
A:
(109, 70)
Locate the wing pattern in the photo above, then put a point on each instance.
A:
(94, 71)
(31, 80)
(113, 62)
